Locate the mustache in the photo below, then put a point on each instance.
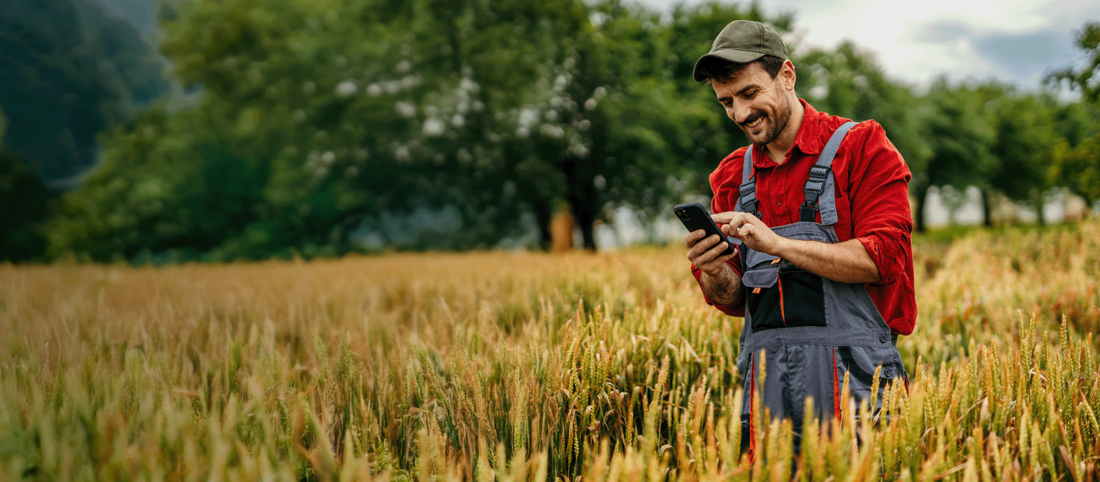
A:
(750, 119)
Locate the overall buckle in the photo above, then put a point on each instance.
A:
(815, 185)
(749, 201)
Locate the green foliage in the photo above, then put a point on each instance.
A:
(1078, 168)
(1025, 145)
(68, 73)
(961, 135)
(25, 200)
(166, 183)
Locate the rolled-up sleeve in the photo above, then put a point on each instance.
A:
(881, 218)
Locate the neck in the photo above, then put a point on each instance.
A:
(777, 149)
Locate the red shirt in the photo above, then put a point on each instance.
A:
(872, 203)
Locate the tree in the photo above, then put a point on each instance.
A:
(1024, 144)
(1078, 169)
(961, 137)
(611, 140)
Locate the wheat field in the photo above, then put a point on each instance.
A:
(524, 366)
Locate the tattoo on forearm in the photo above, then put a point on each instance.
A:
(725, 289)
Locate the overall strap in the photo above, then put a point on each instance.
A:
(819, 187)
(747, 202)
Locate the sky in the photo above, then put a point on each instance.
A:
(1015, 41)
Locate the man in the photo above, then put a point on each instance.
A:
(818, 208)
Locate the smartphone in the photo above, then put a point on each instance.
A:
(695, 217)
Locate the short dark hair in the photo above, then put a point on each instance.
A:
(711, 68)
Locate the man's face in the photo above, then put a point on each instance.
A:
(759, 104)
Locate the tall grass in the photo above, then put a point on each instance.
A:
(518, 366)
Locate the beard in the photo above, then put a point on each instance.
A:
(775, 126)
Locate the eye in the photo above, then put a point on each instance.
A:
(751, 94)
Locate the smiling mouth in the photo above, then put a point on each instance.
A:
(755, 123)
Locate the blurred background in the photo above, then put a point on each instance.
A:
(153, 131)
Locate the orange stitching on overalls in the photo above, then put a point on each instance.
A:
(752, 396)
(782, 308)
(836, 387)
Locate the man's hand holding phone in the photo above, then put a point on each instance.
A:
(705, 252)
(709, 249)
(720, 283)
(707, 246)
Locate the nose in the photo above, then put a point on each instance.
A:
(738, 111)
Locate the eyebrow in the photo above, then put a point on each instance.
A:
(723, 100)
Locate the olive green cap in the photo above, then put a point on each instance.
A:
(744, 41)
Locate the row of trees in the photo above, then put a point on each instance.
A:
(317, 120)
(318, 117)
(1002, 140)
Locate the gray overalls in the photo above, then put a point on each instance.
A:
(813, 330)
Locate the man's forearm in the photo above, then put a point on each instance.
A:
(846, 262)
(723, 289)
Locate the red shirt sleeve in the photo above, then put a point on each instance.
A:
(879, 193)
(719, 204)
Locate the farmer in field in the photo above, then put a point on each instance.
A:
(818, 208)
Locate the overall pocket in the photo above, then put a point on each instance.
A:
(782, 295)
(860, 364)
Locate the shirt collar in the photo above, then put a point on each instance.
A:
(808, 140)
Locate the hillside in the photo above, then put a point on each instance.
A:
(68, 72)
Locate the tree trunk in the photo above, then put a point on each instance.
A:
(1039, 210)
(987, 209)
(588, 234)
(922, 201)
(543, 217)
(584, 212)
(581, 195)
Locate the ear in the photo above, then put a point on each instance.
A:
(787, 75)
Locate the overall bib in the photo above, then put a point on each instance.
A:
(813, 330)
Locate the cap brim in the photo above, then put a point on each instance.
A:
(731, 55)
